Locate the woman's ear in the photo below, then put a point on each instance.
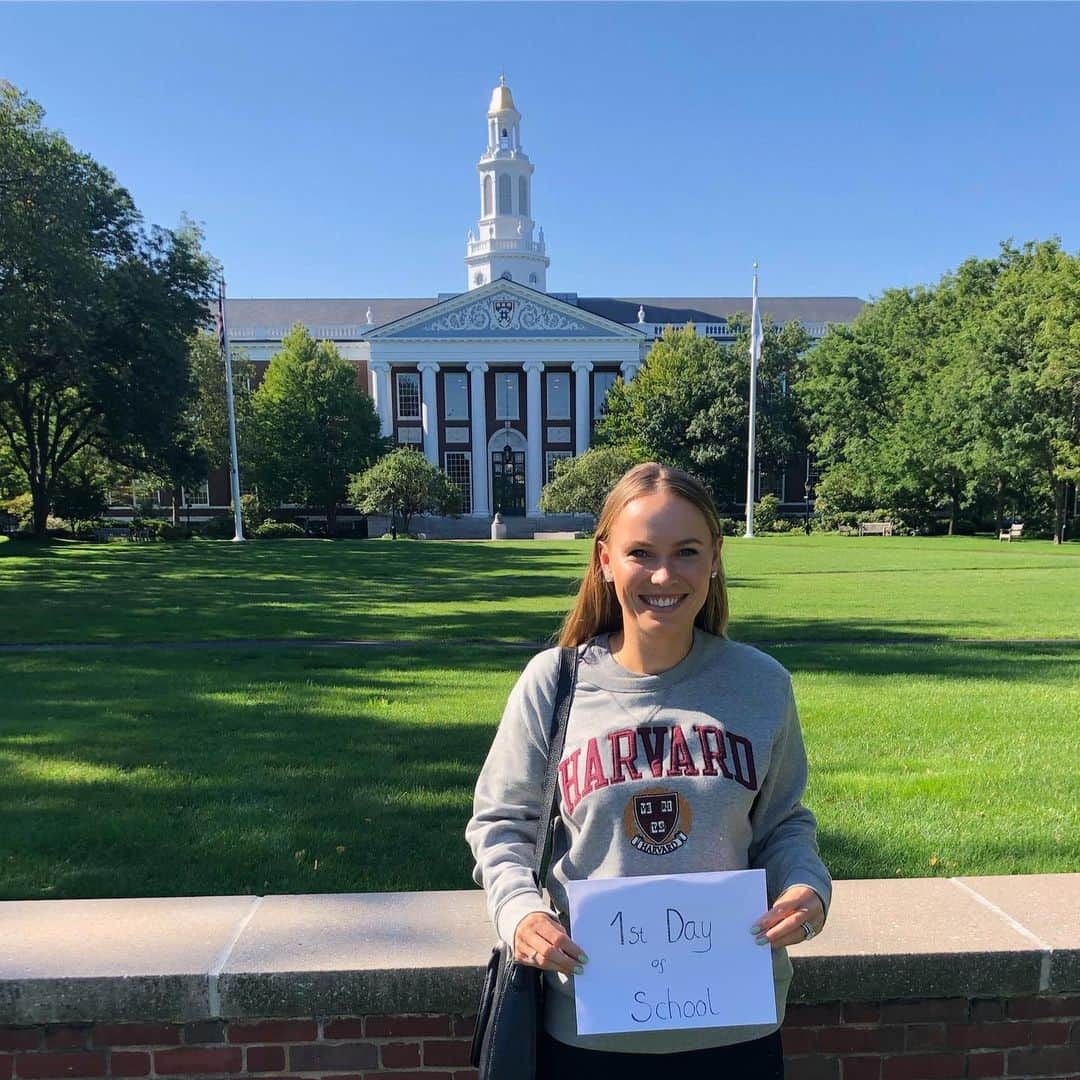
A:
(604, 558)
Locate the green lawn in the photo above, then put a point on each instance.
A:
(137, 771)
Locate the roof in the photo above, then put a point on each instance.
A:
(277, 313)
(698, 309)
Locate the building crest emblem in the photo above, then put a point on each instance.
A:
(657, 821)
(504, 313)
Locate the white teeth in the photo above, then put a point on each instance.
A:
(661, 601)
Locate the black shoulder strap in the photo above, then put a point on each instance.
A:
(564, 696)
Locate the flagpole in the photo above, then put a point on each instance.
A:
(238, 521)
(755, 356)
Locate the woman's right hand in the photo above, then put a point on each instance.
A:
(540, 941)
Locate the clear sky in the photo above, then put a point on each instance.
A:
(330, 149)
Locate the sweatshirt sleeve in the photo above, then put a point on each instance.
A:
(502, 832)
(784, 841)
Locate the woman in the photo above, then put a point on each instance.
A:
(664, 703)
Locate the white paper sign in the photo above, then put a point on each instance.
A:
(671, 951)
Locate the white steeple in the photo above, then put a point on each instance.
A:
(504, 246)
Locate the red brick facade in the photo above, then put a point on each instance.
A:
(897, 1040)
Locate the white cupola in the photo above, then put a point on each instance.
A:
(504, 246)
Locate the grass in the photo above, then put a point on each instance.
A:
(136, 771)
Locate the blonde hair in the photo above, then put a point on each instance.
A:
(597, 610)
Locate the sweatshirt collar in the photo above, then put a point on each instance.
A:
(601, 669)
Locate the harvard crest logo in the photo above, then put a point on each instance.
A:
(657, 821)
(504, 313)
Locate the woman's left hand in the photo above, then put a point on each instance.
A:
(782, 924)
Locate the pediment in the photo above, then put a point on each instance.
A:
(502, 310)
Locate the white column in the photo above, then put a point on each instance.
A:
(629, 369)
(481, 506)
(533, 459)
(583, 416)
(429, 413)
(381, 388)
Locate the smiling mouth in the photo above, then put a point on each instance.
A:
(662, 603)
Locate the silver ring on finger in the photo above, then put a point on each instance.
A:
(808, 931)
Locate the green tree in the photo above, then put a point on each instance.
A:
(581, 484)
(402, 484)
(82, 490)
(208, 410)
(95, 312)
(312, 426)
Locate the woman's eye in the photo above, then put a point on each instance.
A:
(639, 553)
(689, 551)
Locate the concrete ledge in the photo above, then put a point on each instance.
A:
(342, 954)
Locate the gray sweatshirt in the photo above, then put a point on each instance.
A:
(719, 730)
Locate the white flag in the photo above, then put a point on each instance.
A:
(756, 335)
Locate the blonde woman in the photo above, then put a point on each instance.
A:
(664, 702)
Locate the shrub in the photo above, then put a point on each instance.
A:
(732, 526)
(21, 508)
(277, 530)
(765, 512)
(220, 527)
(85, 530)
(783, 525)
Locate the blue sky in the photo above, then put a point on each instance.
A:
(330, 149)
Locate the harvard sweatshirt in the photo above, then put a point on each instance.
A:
(719, 732)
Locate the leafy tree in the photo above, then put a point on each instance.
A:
(404, 483)
(689, 404)
(208, 410)
(312, 426)
(95, 312)
(82, 491)
(581, 484)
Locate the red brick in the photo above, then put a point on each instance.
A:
(204, 1032)
(136, 1035)
(861, 1068)
(198, 1059)
(1050, 1034)
(344, 1029)
(815, 1067)
(446, 1052)
(400, 1055)
(799, 1040)
(33, 1066)
(390, 1026)
(20, 1038)
(66, 1038)
(333, 1057)
(466, 1074)
(275, 1031)
(1044, 1061)
(129, 1063)
(849, 1040)
(425, 1075)
(983, 1065)
(265, 1059)
(859, 1012)
(812, 1015)
(987, 1036)
(1031, 1008)
(904, 1012)
(922, 1066)
(924, 1037)
(464, 1025)
(987, 1010)
(7, 1066)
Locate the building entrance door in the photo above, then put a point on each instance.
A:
(508, 483)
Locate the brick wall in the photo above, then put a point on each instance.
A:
(897, 1040)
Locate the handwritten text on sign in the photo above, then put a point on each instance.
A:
(671, 951)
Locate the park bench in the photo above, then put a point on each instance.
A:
(113, 533)
(846, 530)
(875, 528)
(1013, 532)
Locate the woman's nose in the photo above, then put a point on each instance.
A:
(662, 573)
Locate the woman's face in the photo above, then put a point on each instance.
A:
(660, 557)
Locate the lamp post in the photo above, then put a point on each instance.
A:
(806, 514)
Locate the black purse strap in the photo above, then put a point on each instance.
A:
(564, 696)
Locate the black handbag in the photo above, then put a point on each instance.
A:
(510, 1015)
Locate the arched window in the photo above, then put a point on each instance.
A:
(506, 194)
(532, 279)
(523, 196)
(487, 196)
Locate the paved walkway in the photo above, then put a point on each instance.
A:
(374, 643)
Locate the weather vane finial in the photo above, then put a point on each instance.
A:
(502, 78)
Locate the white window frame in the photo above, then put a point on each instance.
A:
(466, 492)
(550, 457)
(203, 490)
(565, 377)
(463, 376)
(500, 414)
(398, 377)
(599, 399)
